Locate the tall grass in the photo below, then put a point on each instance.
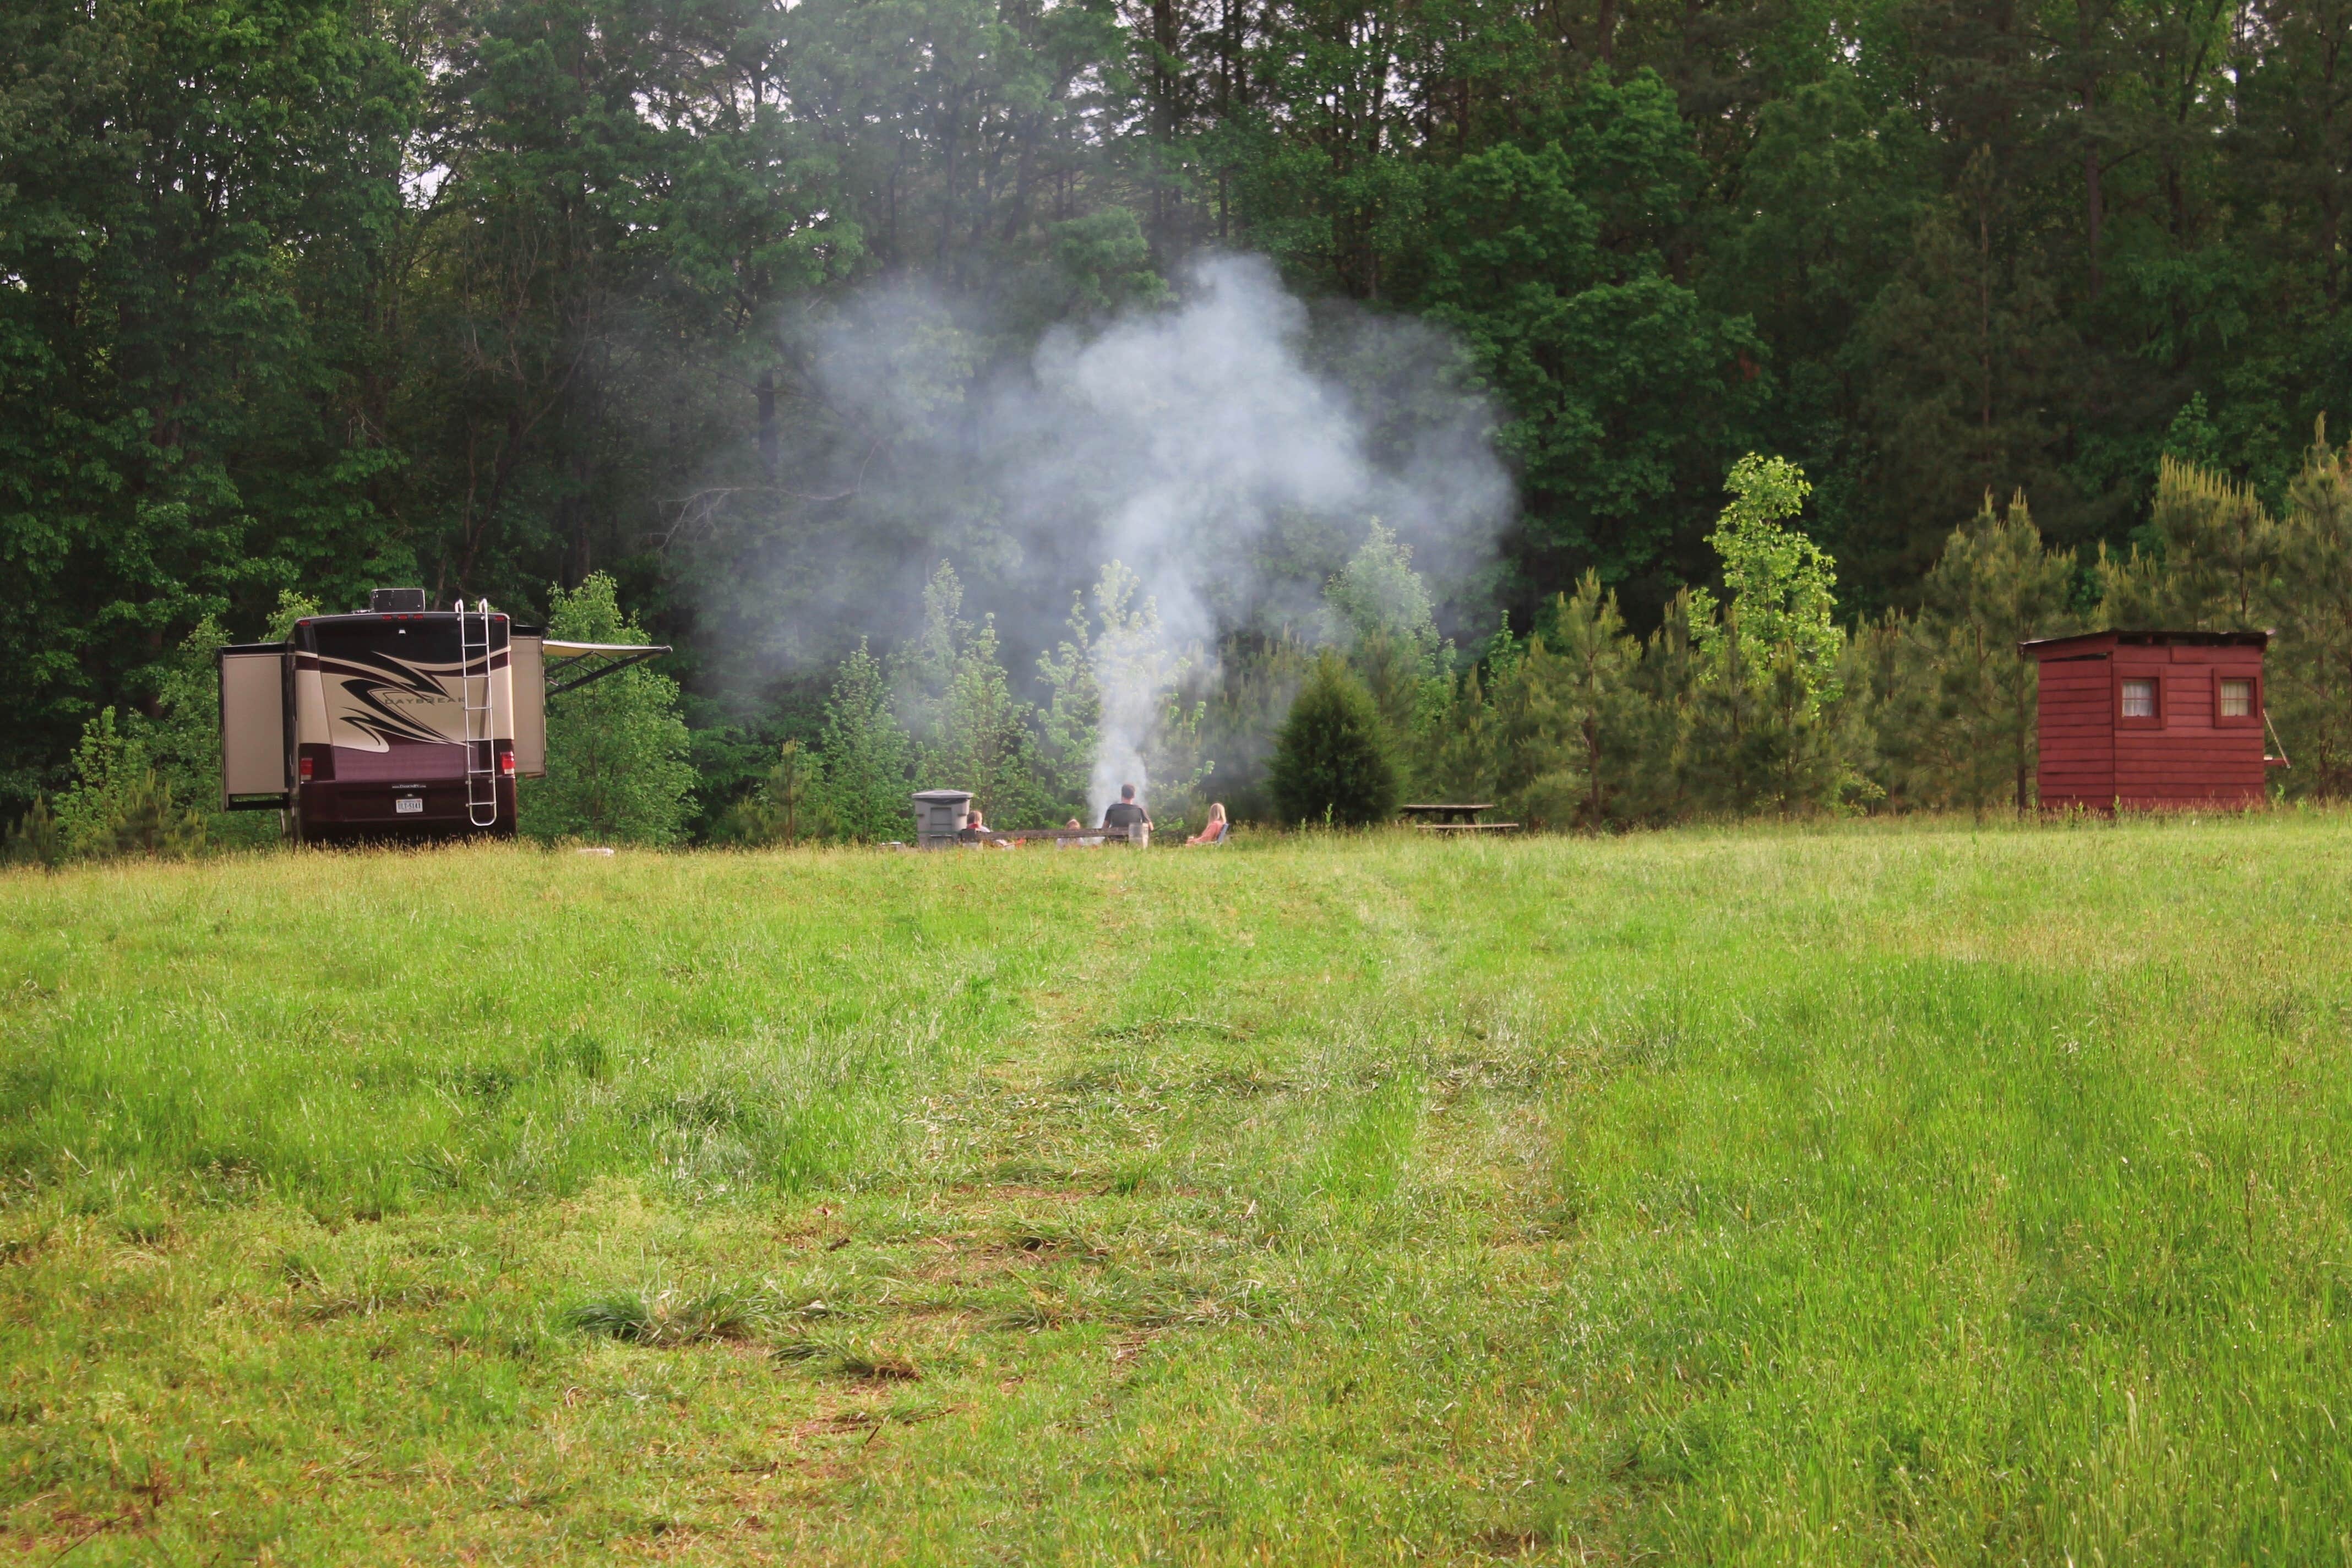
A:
(364, 1033)
(1931, 1196)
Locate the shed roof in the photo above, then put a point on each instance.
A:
(2097, 642)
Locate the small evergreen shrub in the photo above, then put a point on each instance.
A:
(1331, 761)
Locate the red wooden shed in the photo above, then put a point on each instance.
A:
(2151, 718)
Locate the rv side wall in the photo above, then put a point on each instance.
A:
(253, 728)
(527, 664)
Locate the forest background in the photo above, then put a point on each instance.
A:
(518, 298)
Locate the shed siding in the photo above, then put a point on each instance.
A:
(2076, 755)
(2088, 759)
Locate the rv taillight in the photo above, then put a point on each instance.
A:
(506, 763)
(304, 768)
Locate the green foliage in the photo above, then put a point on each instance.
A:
(1558, 730)
(149, 783)
(120, 803)
(1767, 727)
(2215, 558)
(2209, 561)
(1603, 747)
(291, 607)
(866, 758)
(1379, 596)
(1781, 588)
(1547, 251)
(198, 207)
(983, 740)
(1960, 726)
(1332, 762)
(789, 803)
(732, 762)
(35, 839)
(1380, 609)
(971, 731)
(1069, 724)
(1105, 264)
(616, 748)
(182, 740)
(2310, 686)
(1967, 346)
(1926, 255)
(1242, 700)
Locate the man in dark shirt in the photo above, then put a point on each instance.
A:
(1126, 814)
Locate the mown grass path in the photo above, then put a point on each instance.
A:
(1905, 1195)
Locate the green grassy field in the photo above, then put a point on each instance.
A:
(1865, 1195)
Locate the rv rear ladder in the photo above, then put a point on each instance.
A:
(482, 745)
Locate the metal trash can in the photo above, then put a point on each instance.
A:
(939, 816)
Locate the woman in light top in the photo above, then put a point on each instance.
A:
(1213, 830)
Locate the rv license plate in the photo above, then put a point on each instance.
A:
(406, 804)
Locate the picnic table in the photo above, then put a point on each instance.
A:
(1454, 816)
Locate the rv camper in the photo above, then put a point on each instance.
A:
(401, 723)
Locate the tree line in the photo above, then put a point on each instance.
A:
(1759, 699)
(1763, 699)
(300, 297)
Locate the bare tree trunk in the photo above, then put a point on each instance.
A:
(2094, 204)
(766, 392)
(1165, 38)
(582, 563)
(2330, 209)
(1984, 316)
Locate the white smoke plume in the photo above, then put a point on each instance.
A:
(1136, 673)
(1230, 449)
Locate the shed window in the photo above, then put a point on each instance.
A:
(2139, 699)
(2237, 699)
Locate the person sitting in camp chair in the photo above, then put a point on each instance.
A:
(1125, 815)
(1213, 831)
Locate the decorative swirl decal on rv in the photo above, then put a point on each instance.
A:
(375, 702)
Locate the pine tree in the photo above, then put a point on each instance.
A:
(867, 757)
(969, 730)
(2213, 563)
(1959, 727)
(120, 803)
(1380, 612)
(983, 741)
(789, 803)
(1468, 747)
(2310, 664)
(1573, 737)
(1243, 697)
(1331, 762)
(1069, 725)
(1586, 673)
(1669, 678)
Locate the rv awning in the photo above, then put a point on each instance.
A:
(572, 665)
